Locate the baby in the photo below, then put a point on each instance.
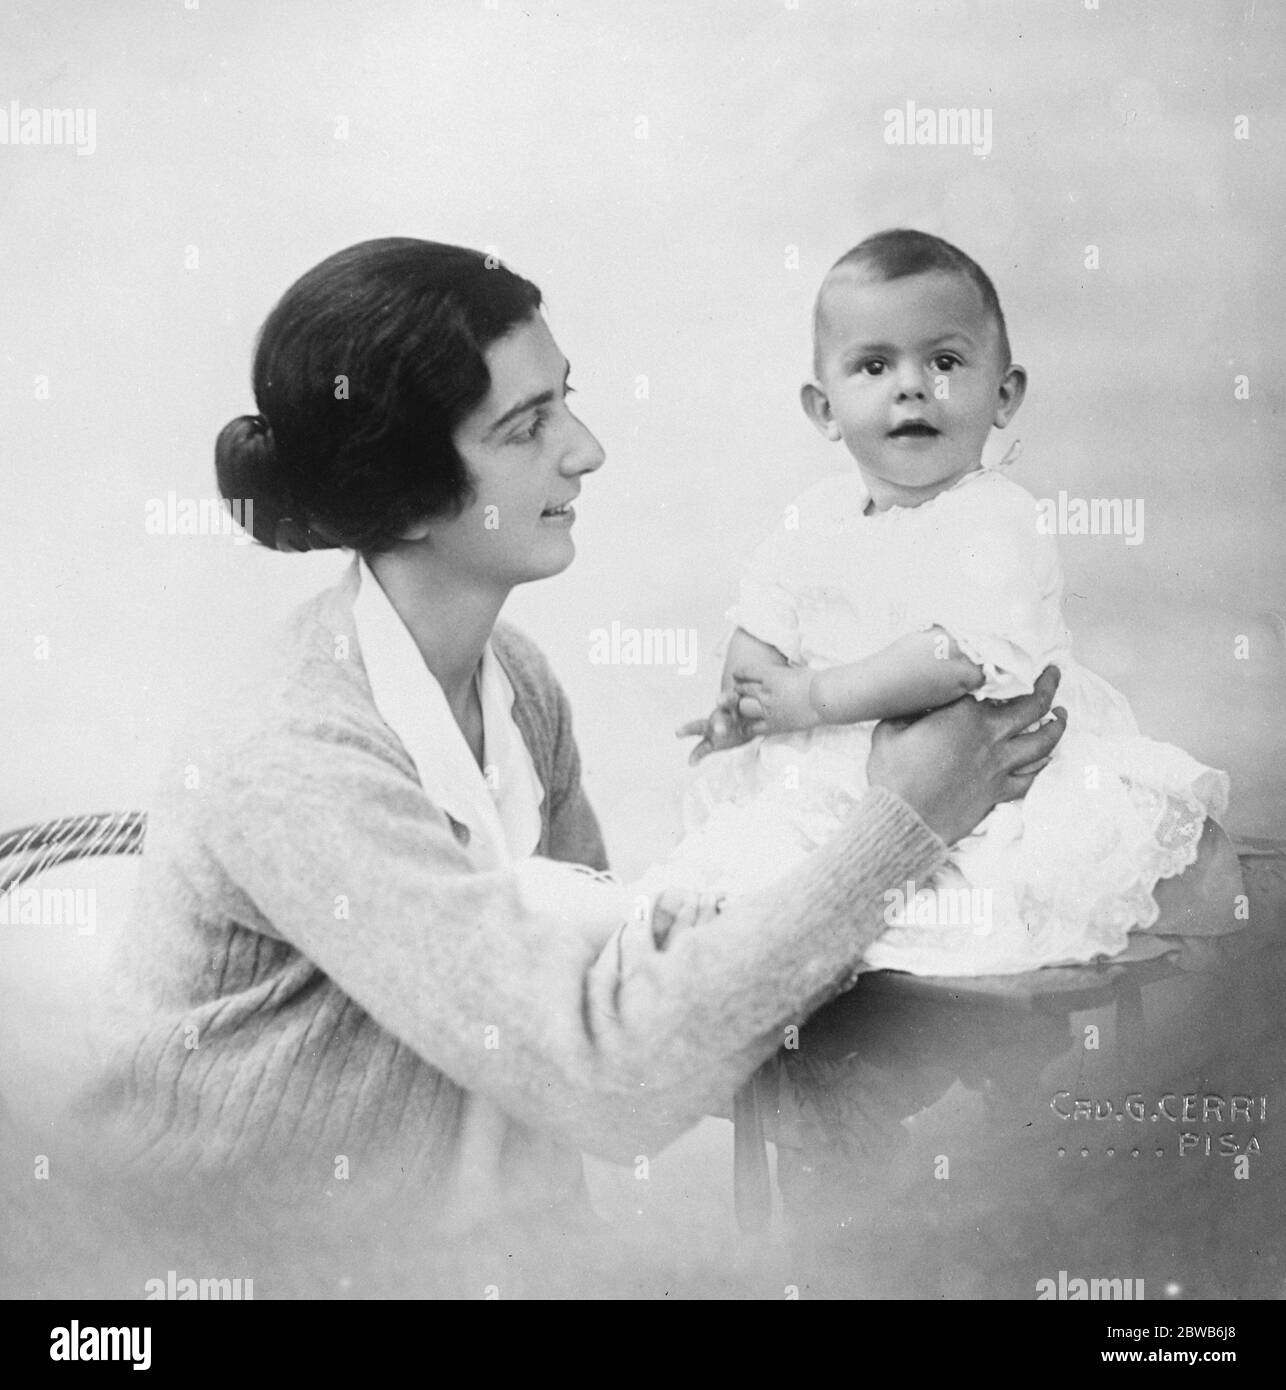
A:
(918, 579)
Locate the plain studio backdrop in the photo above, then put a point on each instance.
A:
(676, 177)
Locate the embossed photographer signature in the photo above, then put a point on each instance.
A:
(1193, 1108)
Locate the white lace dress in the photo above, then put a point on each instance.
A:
(1059, 877)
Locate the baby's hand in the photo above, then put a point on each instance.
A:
(724, 728)
(775, 699)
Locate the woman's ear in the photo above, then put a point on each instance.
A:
(817, 407)
(1013, 387)
(416, 531)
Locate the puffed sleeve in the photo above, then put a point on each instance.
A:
(991, 579)
(766, 607)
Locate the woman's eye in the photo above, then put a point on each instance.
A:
(532, 431)
(538, 422)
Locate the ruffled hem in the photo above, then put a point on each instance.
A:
(1120, 894)
(1070, 872)
(1084, 909)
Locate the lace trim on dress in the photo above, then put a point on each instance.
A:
(1167, 840)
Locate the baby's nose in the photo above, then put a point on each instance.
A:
(910, 383)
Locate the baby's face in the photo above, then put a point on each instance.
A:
(911, 379)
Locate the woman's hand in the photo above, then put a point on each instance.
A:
(954, 765)
(776, 699)
(677, 910)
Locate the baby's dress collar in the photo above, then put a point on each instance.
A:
(1006, 460)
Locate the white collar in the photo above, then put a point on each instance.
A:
(1007, 460)
(501, 808)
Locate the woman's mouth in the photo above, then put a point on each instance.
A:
(564, 513)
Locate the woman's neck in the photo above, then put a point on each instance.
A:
(449, 616)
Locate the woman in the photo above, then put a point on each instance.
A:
(350, 954)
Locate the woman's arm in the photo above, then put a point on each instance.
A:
(918, 672)
(595, 1033)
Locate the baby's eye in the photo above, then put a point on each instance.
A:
(945, 361)
(872, 366)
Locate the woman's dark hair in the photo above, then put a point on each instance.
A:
(362, 373)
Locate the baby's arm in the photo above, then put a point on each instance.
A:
(746, 651)
(918, 672)
(724, 727)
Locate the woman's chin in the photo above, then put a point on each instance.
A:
(552, 560)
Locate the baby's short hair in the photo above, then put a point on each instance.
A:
(899, 252)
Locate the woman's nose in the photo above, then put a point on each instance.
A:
(585, 453)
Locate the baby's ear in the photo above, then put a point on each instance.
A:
(817, 407)
(1013, 387)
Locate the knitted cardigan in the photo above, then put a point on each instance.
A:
(314, 973)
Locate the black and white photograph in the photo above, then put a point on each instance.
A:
(644, 659)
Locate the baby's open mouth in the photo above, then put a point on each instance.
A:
(913, 429)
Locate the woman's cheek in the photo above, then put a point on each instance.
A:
(492, 513)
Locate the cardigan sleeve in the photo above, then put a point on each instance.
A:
(585, 1029)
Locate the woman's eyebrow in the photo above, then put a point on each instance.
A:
(540, 398)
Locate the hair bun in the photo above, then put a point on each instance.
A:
(291, 534)
(250, 478)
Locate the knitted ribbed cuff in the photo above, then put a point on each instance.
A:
(880, 846)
